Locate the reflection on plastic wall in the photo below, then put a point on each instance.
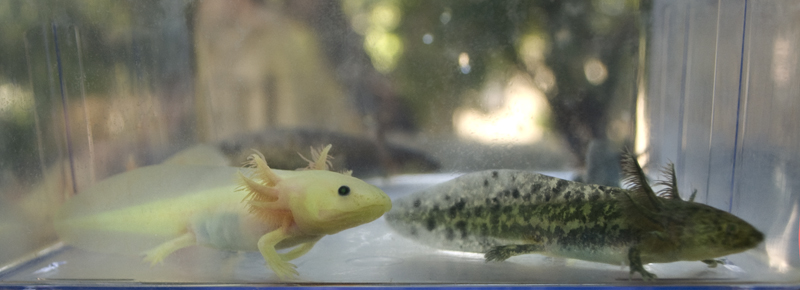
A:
(723, 106)
(100, 97)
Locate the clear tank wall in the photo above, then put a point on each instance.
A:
(722, 104)
(410, 93)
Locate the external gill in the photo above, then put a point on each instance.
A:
(638, 187)
(637, 181)
(671, 184)
(319, 159)
(262, 196)
(260, 187)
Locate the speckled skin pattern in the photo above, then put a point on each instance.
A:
(515, 206)
(503, 213)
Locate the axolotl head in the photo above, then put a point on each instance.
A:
(683, 230)
(319, 201)
(330, 202)
(702, 232)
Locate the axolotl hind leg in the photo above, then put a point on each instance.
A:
(501, 253)
(156, 255)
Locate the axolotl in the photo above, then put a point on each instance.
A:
(156, 210)
(504, 213)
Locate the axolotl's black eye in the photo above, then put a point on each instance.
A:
(344, 190)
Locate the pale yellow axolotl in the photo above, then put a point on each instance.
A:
(159, 209)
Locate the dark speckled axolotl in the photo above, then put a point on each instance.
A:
(504, 213)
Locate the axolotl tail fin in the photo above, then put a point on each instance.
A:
(140, 209)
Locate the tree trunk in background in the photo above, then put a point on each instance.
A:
(257, 68)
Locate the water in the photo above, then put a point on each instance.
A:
(92, 89)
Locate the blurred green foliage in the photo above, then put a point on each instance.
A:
(132, 33)
(102, 46)
(437, 55)
(572, 41)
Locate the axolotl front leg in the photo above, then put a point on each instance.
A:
(279, 263)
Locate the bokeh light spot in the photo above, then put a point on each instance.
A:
(427, 38)
(595, 70)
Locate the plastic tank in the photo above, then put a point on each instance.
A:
(410, 94)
